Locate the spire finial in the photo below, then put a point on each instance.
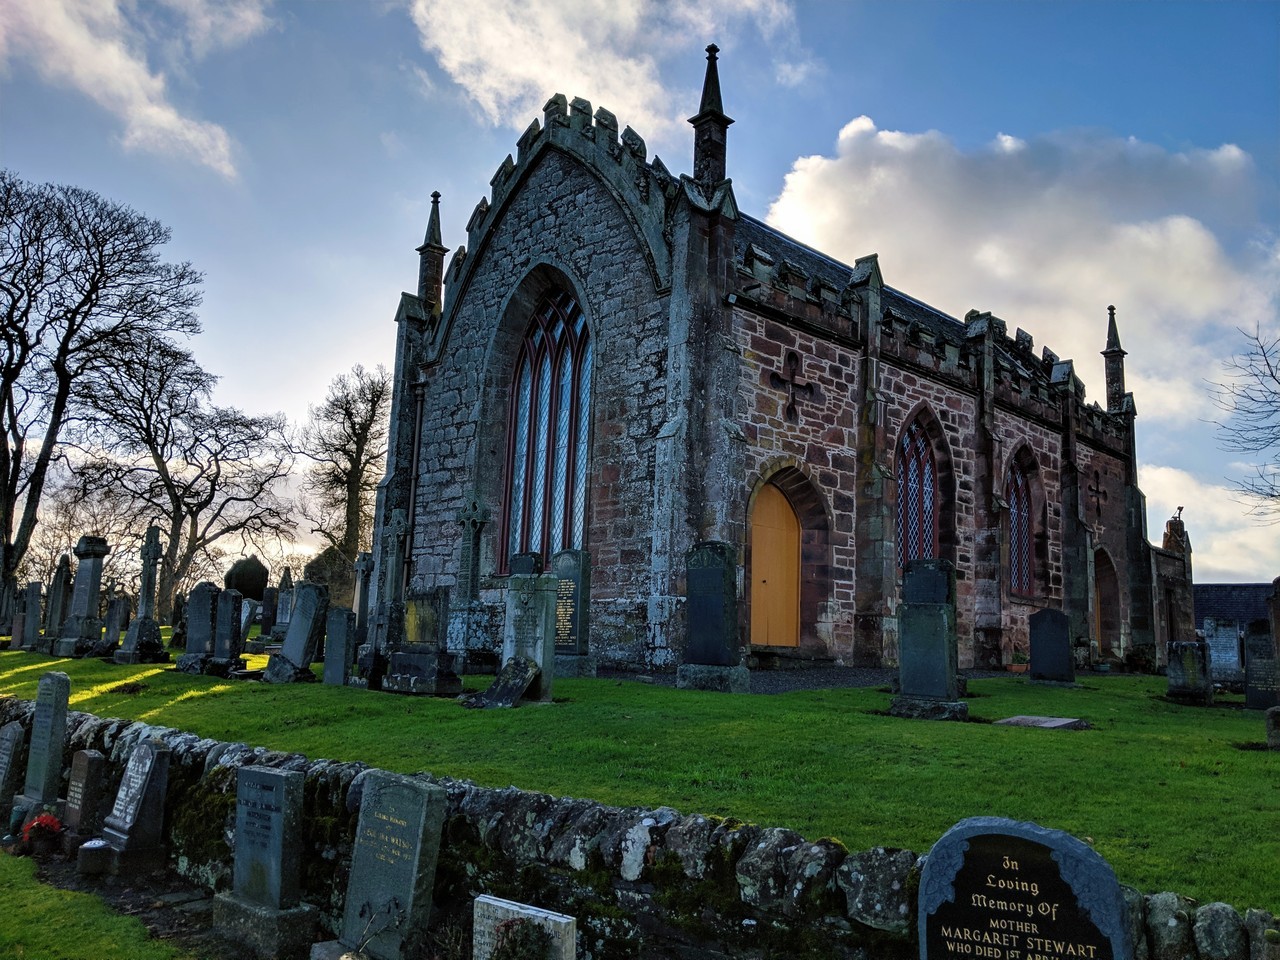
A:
(709, 127)
(1113, 334)
(711, 102)
(433, 224)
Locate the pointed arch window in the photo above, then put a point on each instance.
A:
(917, 476)
(548, 428)
(1017, 493)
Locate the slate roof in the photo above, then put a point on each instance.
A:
(1241, 602)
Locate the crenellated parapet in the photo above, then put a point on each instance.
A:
(645, 190)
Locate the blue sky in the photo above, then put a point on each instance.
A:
(1040, 160)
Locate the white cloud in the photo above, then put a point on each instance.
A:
(1227, 546)
(1046, 232)
(99, 48)
(511, 55)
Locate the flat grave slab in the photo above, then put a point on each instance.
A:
(1045, 723)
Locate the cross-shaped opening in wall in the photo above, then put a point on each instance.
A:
(794, 388)
(1099, 495)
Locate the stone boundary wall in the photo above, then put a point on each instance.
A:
(651, 883)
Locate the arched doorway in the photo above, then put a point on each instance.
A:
(775, 570)
(1106, 605)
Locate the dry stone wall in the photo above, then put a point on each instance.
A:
(654, 883)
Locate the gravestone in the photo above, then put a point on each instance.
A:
(31, 616)
(712, 655)
(228, 644)
(364, 580)
(1271, 720)
(202, 625)
(143, 642)
(13, 762)
(572, 570)
(530, 628)
(393, 866)
(262, 909)
(133, 828)
(118, 610)
(83, 816)
(44, 755)
(490, 915)
(18, 626)
(1223, 638)
(1006, 890)
(1261, 678)
(270, 598)
(248, 613)
(1052, 660)
(1189, 677)
(526, 564)
(423, 664)
(82, 628)
(284, 606)
(339, 646)
(927, 644)
(55, 611)
(302, 639)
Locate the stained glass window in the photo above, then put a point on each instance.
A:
(917, 496)
(1017, 492)
(549, 427)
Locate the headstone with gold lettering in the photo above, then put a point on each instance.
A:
(262, 910)
(393, 867)
(572, 570)
(1007, 890)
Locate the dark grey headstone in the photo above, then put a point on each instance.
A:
(13, 755)
(59, 593)
(927, 651)
(270, 598)
(48, 731)
(572, 570)
(133, 828)
(1261, 678)
(84, 792)
(364, 583)
(18, 625)
(1051, 656)
(929, 581)
(202, 618)
(268, 835)
(393, 864)
(712, 618)
(228, 643)
(339, 645)
(1189, 676)
(1027, 887)
(512, 682)
(526, 564)
(117, 621)
(83, 628)
(30, 638)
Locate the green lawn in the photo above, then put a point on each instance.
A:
(1164, 792)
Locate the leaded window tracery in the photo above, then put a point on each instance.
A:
(918, 496)
(1017, 493)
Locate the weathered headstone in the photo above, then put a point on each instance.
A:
(270, 599)
(13, 762)
(927, 656)
(59, 588)
(83, 809)
(1261, 677)
(1189, 677)
(528, 644)
(262, 909)
(248, 613)
(526, 564)
(202, 625)
(393, 866)
(118, 610)
(133, 828)
(712, 656)
(339, 645)
(572, 570)
(364, 578)
(1052, 660)
(284, 606)
(1223, 638)
(227, 642)
(423, 664)
(1007, 890)
(83, 628)
(143, 642)
(302, 640)
(18, 625)
(491, 916)
(44, 756)
(31, 616)
(1272, 721)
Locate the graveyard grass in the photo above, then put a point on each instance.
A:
(1174, 797)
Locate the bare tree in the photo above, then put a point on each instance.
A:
(1251, 400)
(346, 440)
(204, 474)
(81, 282)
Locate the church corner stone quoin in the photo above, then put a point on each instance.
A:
(618, 360)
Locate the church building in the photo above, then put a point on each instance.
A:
(621, 361)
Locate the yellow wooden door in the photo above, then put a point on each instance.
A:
(775, 570)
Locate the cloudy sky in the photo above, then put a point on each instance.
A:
(1038, 160)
